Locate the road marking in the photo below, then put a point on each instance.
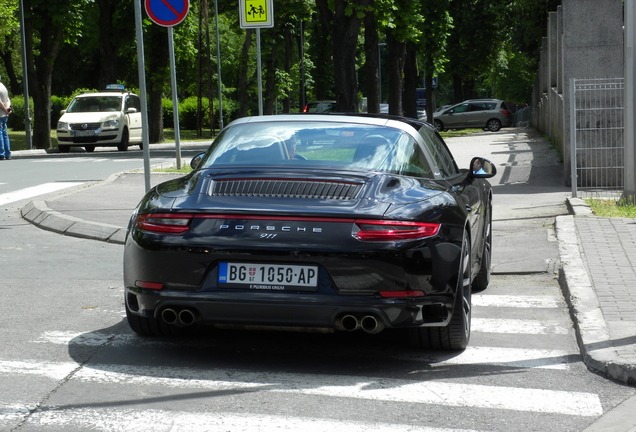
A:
(516, 326)
(517, 301)
(30, 192)
(355, 387)
(105, 419)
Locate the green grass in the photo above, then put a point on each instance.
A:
(459, 132)
(612, 208)
(185, 169)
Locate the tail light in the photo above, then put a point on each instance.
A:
(376, 230)
(507, 113)
(169, 223)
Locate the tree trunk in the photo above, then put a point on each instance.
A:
(397, 54)
(344, 38)
(107, 51)
(270, 77)
(371, 66)
(241, 87)
(158, 73)
(14, 85)
(410, 82)
(288, 66)
(40, 68)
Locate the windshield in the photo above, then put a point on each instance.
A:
(317, 144)
(95, 104)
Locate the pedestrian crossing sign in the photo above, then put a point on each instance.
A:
(256, 13)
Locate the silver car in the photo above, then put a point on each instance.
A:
(487, 114)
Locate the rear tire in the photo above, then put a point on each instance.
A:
(439, 126)
(456, 334)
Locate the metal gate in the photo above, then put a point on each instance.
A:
(596, 137)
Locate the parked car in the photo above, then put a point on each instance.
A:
(108, 118)
(488, 114)
(322, 222)
(319, 107)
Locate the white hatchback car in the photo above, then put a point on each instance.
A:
(108, 118)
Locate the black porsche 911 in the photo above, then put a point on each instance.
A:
(324, 222)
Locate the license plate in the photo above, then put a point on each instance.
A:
(268, 276)
(84, 133)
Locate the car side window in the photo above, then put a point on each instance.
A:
(440, 153)
(410, 159)
(461, 108)
(478, 107)
(132, 102)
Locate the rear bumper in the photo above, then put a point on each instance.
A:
(291, 310)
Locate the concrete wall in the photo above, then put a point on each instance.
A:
(585, 40)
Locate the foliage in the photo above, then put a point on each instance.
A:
(612, 208)
(16, 120)
(488, 48)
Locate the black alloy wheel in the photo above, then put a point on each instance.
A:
(456, 334)
(482, 279)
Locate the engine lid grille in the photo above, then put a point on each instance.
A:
(277, 188)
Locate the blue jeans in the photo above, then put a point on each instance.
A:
(5, 146)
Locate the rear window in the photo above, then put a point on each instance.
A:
(314, 145)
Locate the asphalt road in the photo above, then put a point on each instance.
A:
(68, 360)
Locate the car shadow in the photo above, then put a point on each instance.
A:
(205, 349)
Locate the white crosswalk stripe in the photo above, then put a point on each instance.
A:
(31, 192)
(128, 420)
(269, 385)
(379, 389)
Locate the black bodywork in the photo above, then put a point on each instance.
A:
(302, 231)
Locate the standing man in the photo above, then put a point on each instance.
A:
(5, 110)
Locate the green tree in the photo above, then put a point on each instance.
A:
(10, 44)
(475, 40)
(48, 23)
(342, 20)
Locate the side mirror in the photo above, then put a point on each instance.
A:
(194, 163)
(131, 110)
(482, 168)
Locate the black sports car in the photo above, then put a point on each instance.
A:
(317, 222)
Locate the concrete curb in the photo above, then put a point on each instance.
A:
(592, 333)
(39, 214)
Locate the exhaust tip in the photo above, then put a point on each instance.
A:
(187, 317)
(371, 325)
(349, 323)
(169, 316)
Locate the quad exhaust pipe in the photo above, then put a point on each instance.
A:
(184, 317)
(368, 323)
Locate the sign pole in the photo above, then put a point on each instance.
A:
(175, 100)
(257, 14)
(218, 65)
(168, 13)
(141, 67)
(258, 68)
(629, 113)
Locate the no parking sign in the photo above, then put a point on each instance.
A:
(167, 13)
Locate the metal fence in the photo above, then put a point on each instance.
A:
(597, 145)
